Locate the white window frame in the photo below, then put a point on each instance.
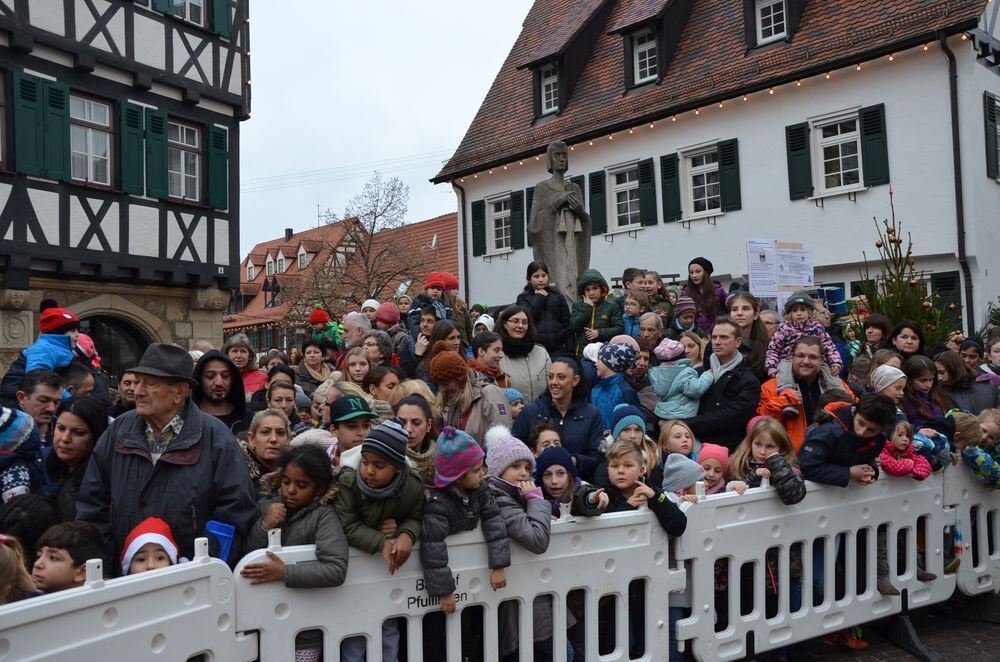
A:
(689, 171)
(493, 248)
(88, 128)
(819, 142)
(270, 266)
(613, 189)
(303, 259)
(280, 263)
(189, 152)
(760, 6)
(638, 51)
(251, 273)
(183, 10)
(548, 76)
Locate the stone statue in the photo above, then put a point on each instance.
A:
(558, 225)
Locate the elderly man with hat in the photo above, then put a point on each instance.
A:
(168, 459)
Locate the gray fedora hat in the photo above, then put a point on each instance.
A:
(167, 361)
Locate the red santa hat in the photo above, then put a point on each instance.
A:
(151, 529)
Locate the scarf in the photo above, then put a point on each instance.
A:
(719, 370)
(517, 347)
(381, 493)
(322, 375)
(495, 375)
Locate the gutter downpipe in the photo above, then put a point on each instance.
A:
(462, 225)
(956, 152)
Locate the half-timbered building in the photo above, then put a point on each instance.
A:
(694, 126)
(119, 168)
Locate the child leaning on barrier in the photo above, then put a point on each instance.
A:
(629, 423)
(526, 515)
(560, 481)
(460, 501)
(626, 490)
(149, 546)
(679, 477)
(62, 555)
(968, 441)
(300, 492)
(766, 452)
(381, 507)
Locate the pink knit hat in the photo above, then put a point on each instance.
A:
(669, 350)
(754, 421)
(714, 452)
(455, 455)
(504, 449)
(387, 313)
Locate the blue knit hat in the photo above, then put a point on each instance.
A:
(512, 395)
(625, 415)
(552, 456)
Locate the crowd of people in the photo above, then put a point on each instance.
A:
(414, 419)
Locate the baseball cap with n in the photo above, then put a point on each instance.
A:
(348, 407)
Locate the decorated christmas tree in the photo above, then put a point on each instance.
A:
(899, 291)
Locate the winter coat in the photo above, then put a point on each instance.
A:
(487, 375)
(528, 523)
(62, 483)
(670, 517)
(704, 321)
(982, 464)
(772, 403)
(662, 307)
(608, 393)
(253, 380)
(603, 316)
(905, 463)
(831, 449)
(528, 374)
(200, 477)
(916, 419)
(550, 315)
(400, 338)
(51, 351)
(255, 468)
(305, 379)
(788, 333)
(238, 420)
(581, 429)
(22, 462)
(974, 397)
(12, 380)
(631, 325)
(421, 301)
(361, 515)
(786, 478)
(462, 319)
(727, 407)
(423, 462)
(679, 388)
(447, 512)
(489, 407)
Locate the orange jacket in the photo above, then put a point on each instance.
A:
(772, 403)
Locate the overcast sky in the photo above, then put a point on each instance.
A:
(341, 89)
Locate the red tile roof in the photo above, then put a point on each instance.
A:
(561, 22)
(711, 64)
(638, 11)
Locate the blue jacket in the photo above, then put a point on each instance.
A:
(631, 325)
(679, 388)
(50, 352)
(831, 449)
(610, 392)
(581, 429)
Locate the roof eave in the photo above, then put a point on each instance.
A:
(880, 51)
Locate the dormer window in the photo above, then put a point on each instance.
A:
(771, 21)
(281, 263)
(644, 58)
(250, 271)
(549, 89)
(303, 259)
(270, 266)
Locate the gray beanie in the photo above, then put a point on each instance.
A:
(680, 473)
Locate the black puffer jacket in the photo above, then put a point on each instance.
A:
(974, 397)
(727, 407)
(447, 512)
(551, 317)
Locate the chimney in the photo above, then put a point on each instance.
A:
(288, 234)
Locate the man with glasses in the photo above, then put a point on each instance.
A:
(771, 321)
(796, 413)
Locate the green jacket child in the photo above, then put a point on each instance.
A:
(595, 317)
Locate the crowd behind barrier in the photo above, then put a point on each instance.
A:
(201, 607)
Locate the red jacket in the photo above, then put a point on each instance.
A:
(905, 463)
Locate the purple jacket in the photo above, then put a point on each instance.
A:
(704, 321)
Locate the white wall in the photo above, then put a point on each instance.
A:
(914, 90)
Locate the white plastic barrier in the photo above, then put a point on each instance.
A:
(977, 511)
(171, 614)
(600, 555)
(739, 529)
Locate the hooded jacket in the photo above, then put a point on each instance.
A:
(679, 388)
(50, 352)
(605, 316)
(772, 403)
(421, 301)
(975, 396)
(904, 463)
(489, 407)
(550, 313)
(581, 429)
(831, 449)
(608, 393)
(238, 419)
(201, 476)
(361, 515)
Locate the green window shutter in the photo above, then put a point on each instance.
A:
(218, 167)
(647, 193)
(29, 125)
(56, 99)
(800, 184)
(529, 197)
(598, 206)
(670, 186)
(478, 228)
(222, 18)
(165, 6)
(874, 148)
(130, 166)
(859, 287)
(948, 285)
(156, 153)
(729, 175)
(992, 148)
(517, 220)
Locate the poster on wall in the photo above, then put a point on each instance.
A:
(777, 269)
